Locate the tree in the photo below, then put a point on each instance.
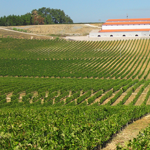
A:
(3, 21)
(36, 18)
(41, 16)
(27, 19)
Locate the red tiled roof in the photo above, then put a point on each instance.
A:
(134, 19)
(124, 30)
(126, 23)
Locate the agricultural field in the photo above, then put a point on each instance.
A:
(59, 58)
(60, 30)
(48, 31)
(58, 94)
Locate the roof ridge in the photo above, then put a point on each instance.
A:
(124, 30)
(115, 23)
(128, 19)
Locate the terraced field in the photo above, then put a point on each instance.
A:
(78, 94)
(59, 92)
(106, 59)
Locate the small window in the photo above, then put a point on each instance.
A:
(111, 35)
(124, 35)
(136, 35)
(99, 35)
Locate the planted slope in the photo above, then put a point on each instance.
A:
(61, 92)
(106, 59)
(75, 128)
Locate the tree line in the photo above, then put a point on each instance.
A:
(37, 17)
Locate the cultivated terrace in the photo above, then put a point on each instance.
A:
(58, 94)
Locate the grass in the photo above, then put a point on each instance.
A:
(18, 35)
(20, 30)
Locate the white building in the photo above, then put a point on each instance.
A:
(124, 27)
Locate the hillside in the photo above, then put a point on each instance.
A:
(59, 94)
(123, 62)
(48, 31)
(103, 59)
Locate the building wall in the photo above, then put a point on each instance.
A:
(128, 24)
(111, 27)
(120, 34)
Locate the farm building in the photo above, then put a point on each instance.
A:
(124, 28)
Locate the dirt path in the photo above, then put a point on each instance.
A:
(8, 97)
(119, 99)
(142, 96)
(122, 96)
(130, 99)
(61, 29)
(148, 101)
(23, 35)
(130, 132)
(108, 99)
(148, 77)
(21, 95)
(95, 26)
(146, 71)
(16, 31)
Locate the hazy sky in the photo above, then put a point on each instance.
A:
(81, 10)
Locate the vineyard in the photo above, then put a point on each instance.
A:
(52, 58)
(58, 94)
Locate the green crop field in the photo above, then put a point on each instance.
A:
(58, 94)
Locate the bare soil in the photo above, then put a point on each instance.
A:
(146, 71)
(97, 100)
(62, 29)
(148, 101)
(130, 99)
(119, 99)
(21, 95)
(46, 95)
(108, 99)
(20, 35)
(8, 97)
(142, 97)
(70, 93)
(49, 31)
(130, 132)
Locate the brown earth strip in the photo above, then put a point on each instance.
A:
(146, 71)
(148, 77)
(20, 35)
(130, 132)
(46, 94)
(8, 97)
(108, 99)
(21, 95)
(144, 67)
(130, 99)
(35, 94)
(148, 101)
(142, 96)
(97, 100)
(131, 67)
(119, 99)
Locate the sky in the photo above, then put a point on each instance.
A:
(81, 10)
